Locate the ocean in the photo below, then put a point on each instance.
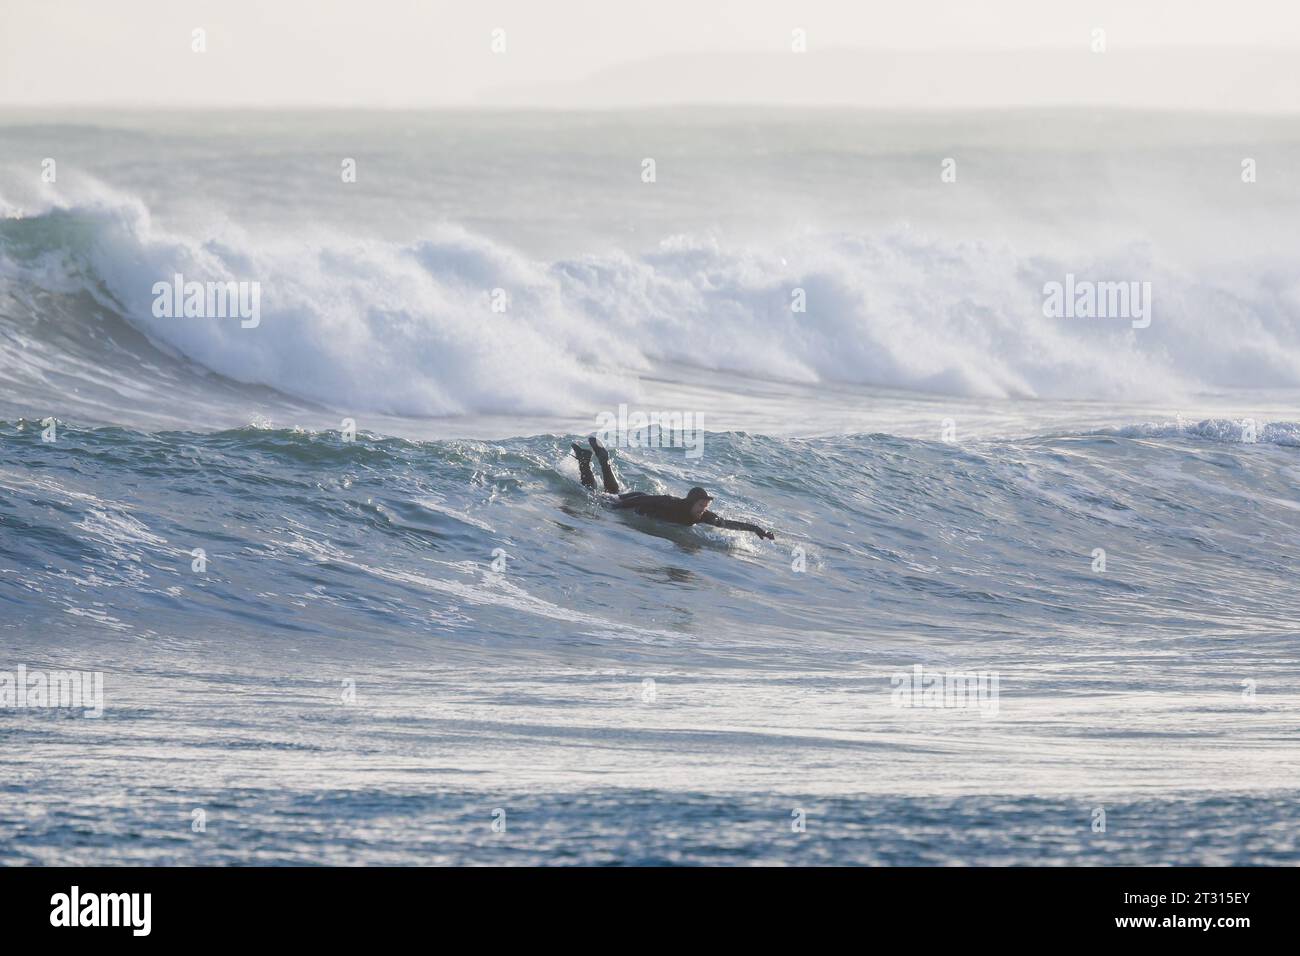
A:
(351, 605)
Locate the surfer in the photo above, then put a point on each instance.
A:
(693, 509)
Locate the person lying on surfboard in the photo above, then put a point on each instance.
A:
(693, 509)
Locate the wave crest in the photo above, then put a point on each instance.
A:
(409, 328)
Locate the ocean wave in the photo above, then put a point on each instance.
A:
(398, 538)
(1231, 431)
(409, 328)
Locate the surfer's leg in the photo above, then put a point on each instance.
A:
(611, 483)
(584, 465)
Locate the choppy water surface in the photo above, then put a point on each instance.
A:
(359, 649)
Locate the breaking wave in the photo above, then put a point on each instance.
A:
(410, 328)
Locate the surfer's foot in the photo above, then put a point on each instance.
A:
(606, 472)
(584, 465)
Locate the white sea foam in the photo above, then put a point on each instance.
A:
(1233, 431)
(409, 328)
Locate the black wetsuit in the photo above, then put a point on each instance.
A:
(663, 507)
(678, 511)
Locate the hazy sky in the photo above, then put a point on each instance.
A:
(435, 52)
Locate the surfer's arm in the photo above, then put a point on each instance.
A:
(717, 522)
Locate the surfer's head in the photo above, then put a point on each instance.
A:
(698, 499)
